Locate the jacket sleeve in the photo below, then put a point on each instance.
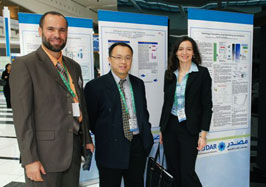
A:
(22, 104)
(206, 100)
(85, 122)
(162, 122)
(91, 98)
(3, 75)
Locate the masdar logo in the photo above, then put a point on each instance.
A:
(221, 146)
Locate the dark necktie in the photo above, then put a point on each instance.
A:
(61, 69)
(125, 115)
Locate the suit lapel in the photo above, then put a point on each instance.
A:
(112, 90)
(47, 64)
(72, 71)
(170, 92)
(190, 79)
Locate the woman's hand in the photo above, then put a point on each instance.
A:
(202, 140)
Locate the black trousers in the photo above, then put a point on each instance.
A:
(7, 96)
(133, 176)
(180, 148)
(68, 178)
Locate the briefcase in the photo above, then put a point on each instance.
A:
(157, 176)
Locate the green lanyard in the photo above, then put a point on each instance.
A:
(66, 82)
(124, 99)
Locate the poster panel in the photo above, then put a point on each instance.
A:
(147, 35)
(225, 43)
(79, 40)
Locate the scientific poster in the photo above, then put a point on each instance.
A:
(147, 35)
(225, 43)
(79, 41)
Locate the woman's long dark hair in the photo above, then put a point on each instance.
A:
(7, 66)
(173, 63)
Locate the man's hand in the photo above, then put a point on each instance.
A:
(90, 146)
(34, 170)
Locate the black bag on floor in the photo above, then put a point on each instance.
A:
(157, 176)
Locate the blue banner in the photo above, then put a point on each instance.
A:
(125, 17)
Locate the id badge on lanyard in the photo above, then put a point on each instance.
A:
(181, 115)
(75, 109)
(133, 125)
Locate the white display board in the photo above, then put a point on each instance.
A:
(79, 40)
(147, 35)
(225, 43)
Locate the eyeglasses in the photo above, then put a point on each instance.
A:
(120, 58)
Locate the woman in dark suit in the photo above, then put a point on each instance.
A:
(5, 76)
(186, 113)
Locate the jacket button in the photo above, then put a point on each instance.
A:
(70, 130)
(69, 112)
(110, 109)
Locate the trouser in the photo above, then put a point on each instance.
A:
(68, 178)
(133, 176)
(180, 148)
(7, 96)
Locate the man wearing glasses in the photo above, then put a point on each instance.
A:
(119, 119)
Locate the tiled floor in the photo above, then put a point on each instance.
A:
(10, 169)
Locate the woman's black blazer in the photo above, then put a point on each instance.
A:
(198, 101)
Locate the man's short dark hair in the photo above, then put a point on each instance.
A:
(51, 13)
(119, 44)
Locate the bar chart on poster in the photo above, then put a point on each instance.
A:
(79, 42)
(225, 42)
(147, 35)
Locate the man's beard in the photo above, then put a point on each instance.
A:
(49, 46)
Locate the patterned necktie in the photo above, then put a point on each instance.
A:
(61, 70)
(125, 115)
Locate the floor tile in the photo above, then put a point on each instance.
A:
(7, 130)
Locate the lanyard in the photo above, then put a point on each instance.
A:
(124, 99)
(66, 82)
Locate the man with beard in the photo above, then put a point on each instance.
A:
(49, 109)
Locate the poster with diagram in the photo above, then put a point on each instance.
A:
(225, 43)
(79, 41)
(147, 35)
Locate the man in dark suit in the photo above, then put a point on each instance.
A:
(49, 109)
(119, 119)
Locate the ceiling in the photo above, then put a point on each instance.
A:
(256, 7)
(98, 4)
(177, 5)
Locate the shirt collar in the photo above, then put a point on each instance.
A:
(193, 68)
(117, 79)
(53, 59)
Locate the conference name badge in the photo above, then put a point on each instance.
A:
(133, 124)
(75, 109)
(181, 115)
